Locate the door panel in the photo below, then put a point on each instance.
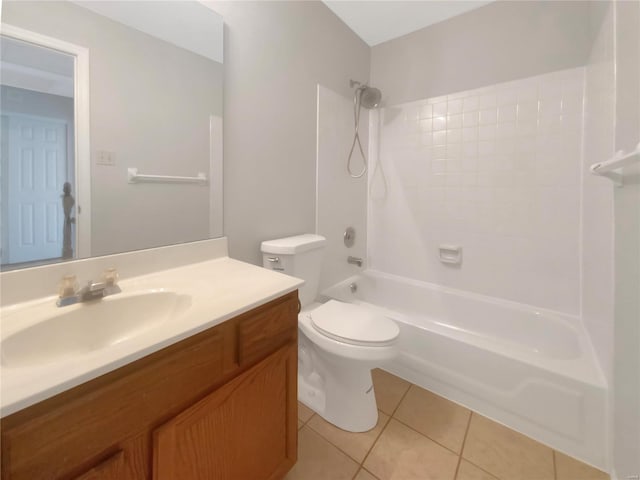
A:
(37, 170)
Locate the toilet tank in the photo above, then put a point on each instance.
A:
(299, 256)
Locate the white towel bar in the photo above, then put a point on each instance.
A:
(135, 177)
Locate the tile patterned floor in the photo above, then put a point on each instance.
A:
(421, 436)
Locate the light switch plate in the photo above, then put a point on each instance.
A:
(106, 158)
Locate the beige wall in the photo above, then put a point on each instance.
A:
(275, 55)
(470, 51)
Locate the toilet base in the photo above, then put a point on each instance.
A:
(350, 403)
(334, 378)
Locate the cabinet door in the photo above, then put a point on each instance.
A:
(244, 430)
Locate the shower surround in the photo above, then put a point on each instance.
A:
(495, 170)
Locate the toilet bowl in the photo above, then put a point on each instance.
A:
(334, 366)
(338, 343)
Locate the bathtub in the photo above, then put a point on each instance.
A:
(532, 370)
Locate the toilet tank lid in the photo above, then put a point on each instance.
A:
(292, 245)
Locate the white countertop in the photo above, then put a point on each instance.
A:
(220, 289)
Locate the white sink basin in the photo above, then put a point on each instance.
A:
(66, 332)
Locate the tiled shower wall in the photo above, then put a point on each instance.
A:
(494, 170)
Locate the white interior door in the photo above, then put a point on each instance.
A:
(37, 170)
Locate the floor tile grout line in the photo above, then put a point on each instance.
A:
(464, 439)
(376, 440)
(401, 400)
(446, 399)
(389, 417)
(466, 459)
(482, 469)
(427, 437)
(304, 422)
(494, 475)
(376, 478)
(347, 454)
(360, 469)
(466, 433)
(322, 437)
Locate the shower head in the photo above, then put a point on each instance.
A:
(369, 96)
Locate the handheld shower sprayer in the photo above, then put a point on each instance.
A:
(367, 97)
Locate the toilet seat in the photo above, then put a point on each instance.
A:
(353, 324)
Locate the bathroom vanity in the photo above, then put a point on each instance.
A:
(198, 397)
(221, 404)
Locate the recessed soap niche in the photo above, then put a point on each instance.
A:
(450, 254)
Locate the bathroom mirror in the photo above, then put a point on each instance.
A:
(111, 127)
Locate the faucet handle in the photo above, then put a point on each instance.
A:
(68, 286)
(110, 276)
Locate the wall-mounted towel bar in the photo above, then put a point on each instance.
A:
(135, 177)
(619, 160)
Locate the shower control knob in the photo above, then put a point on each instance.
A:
(349, 237)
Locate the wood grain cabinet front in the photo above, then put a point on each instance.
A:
(193, 410)
(244, 430)
(259, 334)
(128, 463)
(113, 467)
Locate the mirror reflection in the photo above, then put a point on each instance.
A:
(37, 153)
(111, 128)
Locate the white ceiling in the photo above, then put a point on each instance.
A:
(191, 25)
(378, 21)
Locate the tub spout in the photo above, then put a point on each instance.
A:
(354, 260)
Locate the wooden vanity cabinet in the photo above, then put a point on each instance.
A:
(240, 430)
(220, 405)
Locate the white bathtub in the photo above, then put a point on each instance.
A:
(532, 370)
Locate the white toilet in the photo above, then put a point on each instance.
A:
(339, 343)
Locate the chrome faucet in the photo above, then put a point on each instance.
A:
(91, 291)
